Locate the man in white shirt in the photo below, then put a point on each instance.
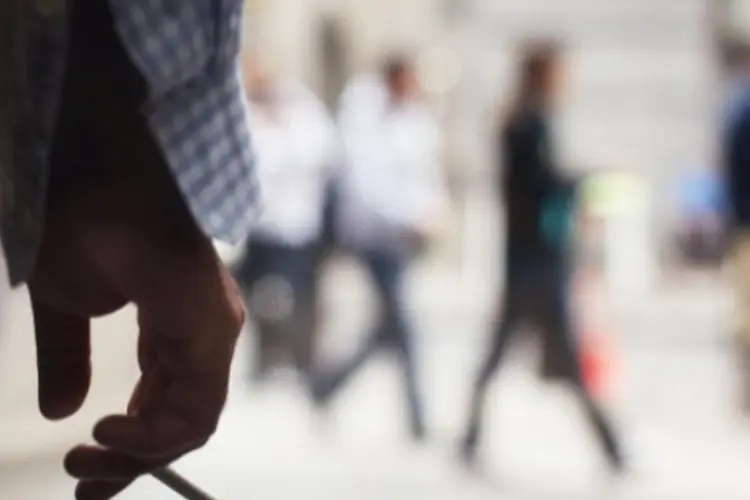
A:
(294, 145)
(391, 192)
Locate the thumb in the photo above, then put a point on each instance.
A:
(63, 360)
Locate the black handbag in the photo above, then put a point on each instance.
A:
(554, 364)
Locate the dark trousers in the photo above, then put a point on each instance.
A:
(276, 280)
(117, 229)
(321, 256)
(537, 293)
(392, 331)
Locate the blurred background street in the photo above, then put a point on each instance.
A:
(639, 126)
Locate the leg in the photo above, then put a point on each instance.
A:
(313, 311)
(388, 271)
(555, 323)
(406, 353)
(500, 341)
(247, 272)
(327, 385)
(281, 292)
(263, 301)
(298, 331)
(603, 429)
(566, 354)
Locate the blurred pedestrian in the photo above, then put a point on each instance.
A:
(294, 139)
(703, 208)
(537, 266)
(116, 172)
(325, 252)
(737, 169)
(391, 195)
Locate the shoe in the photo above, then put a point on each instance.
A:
(617, 464)
(259, 377)
(418, 433)
(319, 392)
(469, 446)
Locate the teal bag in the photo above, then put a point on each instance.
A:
(558, 218)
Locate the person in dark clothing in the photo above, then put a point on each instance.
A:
(736, 161)
(537, 262)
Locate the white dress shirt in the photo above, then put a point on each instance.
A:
(294, 143)
(391, 185)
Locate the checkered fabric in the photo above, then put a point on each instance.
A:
(188, 53)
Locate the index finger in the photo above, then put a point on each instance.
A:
(182, 422)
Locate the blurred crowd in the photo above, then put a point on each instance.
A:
(368, 182)
(313, 153)
(364, 169)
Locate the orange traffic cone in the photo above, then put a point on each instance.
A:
(597, 349)
(596, 367)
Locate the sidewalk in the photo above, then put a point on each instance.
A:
(23, 432)
(446, 307)
(271, 446)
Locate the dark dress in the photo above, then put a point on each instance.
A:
(536, 264)
(536, 271)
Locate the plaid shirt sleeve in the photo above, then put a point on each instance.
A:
(188, 52)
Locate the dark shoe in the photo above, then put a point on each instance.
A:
(259, 376)
(469, 446)
(418, 433)
(613, 452)
(617, 463)
(320, 392)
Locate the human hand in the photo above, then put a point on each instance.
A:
(174, 409)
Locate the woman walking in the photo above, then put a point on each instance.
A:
(537, 265)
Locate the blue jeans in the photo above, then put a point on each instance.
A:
(392, 331)
(266, 267)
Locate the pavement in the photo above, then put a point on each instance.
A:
(675, 416)
(673, 398)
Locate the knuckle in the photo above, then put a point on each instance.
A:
(234, 319)
(210, 429)
(202, 441)
(203, 435)
(239, 316)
